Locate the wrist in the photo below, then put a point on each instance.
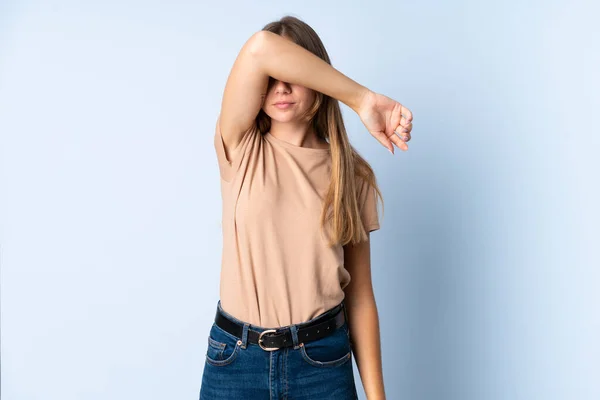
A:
(360, 99)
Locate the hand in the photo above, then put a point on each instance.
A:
(384, 118)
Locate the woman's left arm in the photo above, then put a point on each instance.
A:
(363, 319)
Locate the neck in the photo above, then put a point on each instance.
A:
(298, 135)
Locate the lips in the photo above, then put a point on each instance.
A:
(283, 102)
(283, 105)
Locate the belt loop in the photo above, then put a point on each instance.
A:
(294, 331)
(245, 335)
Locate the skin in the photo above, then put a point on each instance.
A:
(270, 67)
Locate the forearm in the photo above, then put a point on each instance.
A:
(286, 61)
(366, 345)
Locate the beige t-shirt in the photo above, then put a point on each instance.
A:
(277, 268)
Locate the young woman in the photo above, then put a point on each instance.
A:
(299, 203)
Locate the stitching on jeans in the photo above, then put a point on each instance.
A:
(332, 363)
(227, 361)
(216, 343)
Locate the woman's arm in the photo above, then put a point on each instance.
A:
(243, 97)
(288, 62)
(363, 318)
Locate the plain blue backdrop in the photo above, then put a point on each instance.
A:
(486, 267)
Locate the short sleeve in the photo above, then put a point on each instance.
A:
(368, 207)
(228, 167)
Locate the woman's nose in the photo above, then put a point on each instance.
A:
(281, 86)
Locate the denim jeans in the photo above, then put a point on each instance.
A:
(237, 369)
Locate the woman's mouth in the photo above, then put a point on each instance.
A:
(283, 106)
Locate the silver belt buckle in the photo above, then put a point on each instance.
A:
(260, 340)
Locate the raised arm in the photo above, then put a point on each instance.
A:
(286, 61)
(243, 96)
(266, 55)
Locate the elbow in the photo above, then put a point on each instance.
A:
(257, 42)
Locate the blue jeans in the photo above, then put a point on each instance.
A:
(237, 369)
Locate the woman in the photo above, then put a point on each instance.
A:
(299, 203)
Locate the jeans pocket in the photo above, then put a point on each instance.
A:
(223, 348)
(330, 351)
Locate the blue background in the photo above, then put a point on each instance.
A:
(486, 267)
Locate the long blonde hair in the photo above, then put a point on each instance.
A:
(346, 164)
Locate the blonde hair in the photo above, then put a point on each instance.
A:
(341, 209)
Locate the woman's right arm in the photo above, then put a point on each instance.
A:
(286, 61)
(243, 96)
(265, 55)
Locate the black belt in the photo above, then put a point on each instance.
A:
(274, 339)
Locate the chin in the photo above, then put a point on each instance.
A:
(281, 118)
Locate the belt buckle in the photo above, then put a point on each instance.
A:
(260, 339)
